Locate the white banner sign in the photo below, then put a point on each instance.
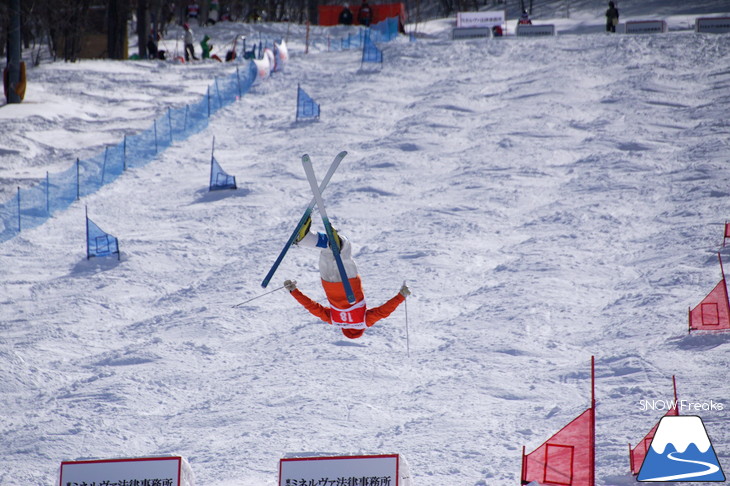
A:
(348, 470)
(527, 30)
(162, 471)
(646, 27)
(471, 33)
(480, 19)
(713, 25)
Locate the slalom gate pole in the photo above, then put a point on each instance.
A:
(258, 296)
(306, 42)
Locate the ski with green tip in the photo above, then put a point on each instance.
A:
(307, 213)
(307, 163)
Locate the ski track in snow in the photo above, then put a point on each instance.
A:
(546, 200)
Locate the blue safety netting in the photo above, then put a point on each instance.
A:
(63, 188)
(370, 52)
(384, 31)
(219, 179)
(353, 40)
(32, 206)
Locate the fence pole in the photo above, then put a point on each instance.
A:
(217, 95)
(299, 90)
(103, 167)
(78, 180)
(48, 193)
(86, 212)
(238, 80)
(19, 228)
(169, 122)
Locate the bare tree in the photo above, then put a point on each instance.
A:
(4, 14)
(143, 23)
(14, 54)
(64, 21)
(117, 15)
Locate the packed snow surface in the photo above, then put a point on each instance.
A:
(546, 200)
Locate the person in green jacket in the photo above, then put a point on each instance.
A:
(206, 47)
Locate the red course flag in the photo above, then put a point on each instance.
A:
(713, 313)
(568, 457)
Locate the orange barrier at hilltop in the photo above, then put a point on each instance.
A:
(330, 14)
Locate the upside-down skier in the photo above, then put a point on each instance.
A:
(352, 319)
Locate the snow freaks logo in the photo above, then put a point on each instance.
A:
(681, 451)
(681, 405)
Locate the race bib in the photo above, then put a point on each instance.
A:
(351, 318)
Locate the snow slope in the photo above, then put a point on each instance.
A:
(546, 200)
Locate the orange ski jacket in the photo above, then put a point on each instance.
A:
(336, 297)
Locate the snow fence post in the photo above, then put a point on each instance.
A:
(78, 179)
(19, 229)
(218, 93)
(238, 82)
(48, 194)
(154, 124)
(169, 123)
(103, 166)
(299, 90)
(86, 212)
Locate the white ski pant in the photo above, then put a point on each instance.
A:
(328, 270)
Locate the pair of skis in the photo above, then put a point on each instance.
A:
(317, 200)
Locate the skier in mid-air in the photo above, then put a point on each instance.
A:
(352, 319)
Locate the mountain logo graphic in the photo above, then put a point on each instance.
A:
(681, 451)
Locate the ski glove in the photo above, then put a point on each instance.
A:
(290, 285)
(405, 291)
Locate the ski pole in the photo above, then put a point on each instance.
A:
(258, 296)
(408, 343)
